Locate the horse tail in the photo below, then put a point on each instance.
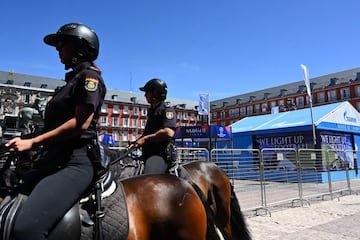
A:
(239, 227)
(211, 233)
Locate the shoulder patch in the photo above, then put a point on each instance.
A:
(169, 115)
(91, 84)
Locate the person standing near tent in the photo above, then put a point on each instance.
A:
(158, 140)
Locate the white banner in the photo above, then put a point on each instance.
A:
(307, 79)
(204, 104)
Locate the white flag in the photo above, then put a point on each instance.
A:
(307, 79)
(204, 104)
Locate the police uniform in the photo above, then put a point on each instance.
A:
(55, 189)
(162, 116)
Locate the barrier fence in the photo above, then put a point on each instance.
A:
(277, 176)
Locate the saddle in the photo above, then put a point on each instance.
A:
(79, 221)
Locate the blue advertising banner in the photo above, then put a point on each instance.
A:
(220, 132)
(342, 145)
(285, 140)
(216, 132)
(339, 145)
(193, 132)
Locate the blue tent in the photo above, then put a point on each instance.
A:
(337, 128)
(337, 117)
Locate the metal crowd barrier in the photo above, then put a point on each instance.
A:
(283, 176)
(276, 177)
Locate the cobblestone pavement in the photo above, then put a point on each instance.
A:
(336, 219)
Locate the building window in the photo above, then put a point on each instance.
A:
(115, 121)
(125, 135)
(136, 111)
(357, 91)
(143, 111)
(257, 108)
(222, 115)
(321, 97)
(214, 115)
(115, 109)
(134, 123)
(125, 122)
(345, 93)
(27, 98)
(282, 105)
(300, 101)
(264, 107)
(249, 110)
(332, 95)
(178, 115)
(234, 112)
(104, 108)
(103, 120)
(115, 135)
(185, 116)
(126, 109)
(243, 111)
(143, 123)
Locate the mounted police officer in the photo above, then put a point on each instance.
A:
(64, 170)
(158, 139)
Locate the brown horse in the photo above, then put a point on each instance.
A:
(158, 207)
(164, 207)
(214, 184)
(221, 197)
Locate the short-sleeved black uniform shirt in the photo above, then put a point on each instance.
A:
(84, 85)
(161, 116)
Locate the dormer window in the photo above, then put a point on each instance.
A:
(282, 92)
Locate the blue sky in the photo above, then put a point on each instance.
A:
(223, 48)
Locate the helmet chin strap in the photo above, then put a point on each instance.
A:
(74, 62)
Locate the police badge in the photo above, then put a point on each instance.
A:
(169, 115)
(91, 84)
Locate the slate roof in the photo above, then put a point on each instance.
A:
(19, 79)
(291, 88)
(31, 81)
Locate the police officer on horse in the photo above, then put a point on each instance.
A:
(158, 140)
(64, 170)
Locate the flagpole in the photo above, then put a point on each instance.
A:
(308, 89)
(209, 109)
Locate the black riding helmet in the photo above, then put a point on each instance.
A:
(81, 35)
(157, 85)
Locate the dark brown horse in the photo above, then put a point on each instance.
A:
(220, 194)
(158, 207)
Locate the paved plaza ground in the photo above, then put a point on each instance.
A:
(326, 219)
